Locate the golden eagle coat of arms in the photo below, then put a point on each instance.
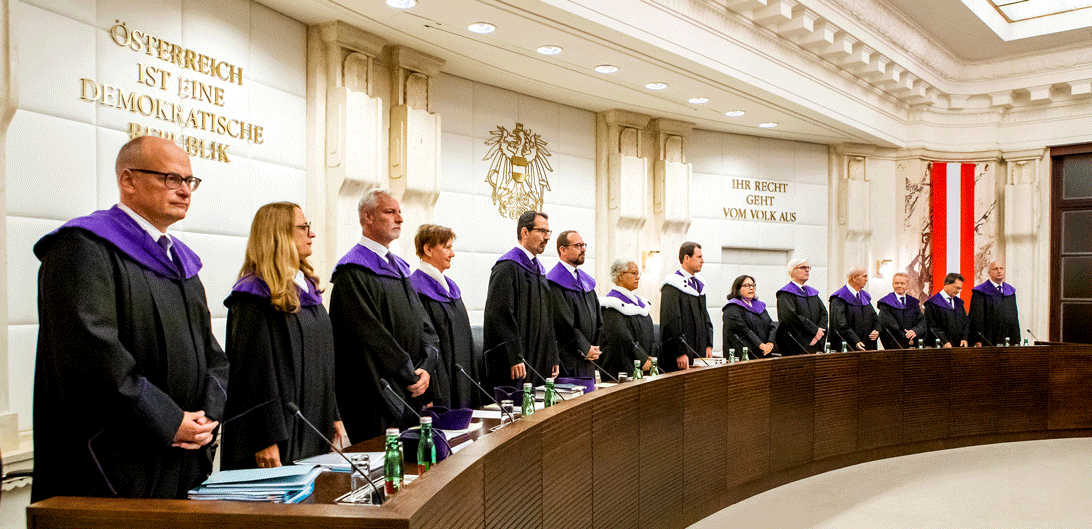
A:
(518, 170)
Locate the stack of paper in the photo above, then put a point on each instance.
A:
(288, 484)
(333, 461)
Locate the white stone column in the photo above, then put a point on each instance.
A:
(622, 190)
(1023, 222)
(414, 139)
(671, 184)
(853, 189)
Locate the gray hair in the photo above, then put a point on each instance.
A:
(795, 263)
(903, 274)
(370, 200)
(618, 267)
(856, 271)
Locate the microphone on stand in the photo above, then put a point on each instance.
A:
(389, 389)
(802, 348)
(1032, 334)
(528, 364)
(491, 397)
(984, 339)
(848, 345)
(893, 337)
(376, 495)
(593, 362)
(682, 338)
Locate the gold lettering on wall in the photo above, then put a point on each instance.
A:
(757, 194)
(184, 58)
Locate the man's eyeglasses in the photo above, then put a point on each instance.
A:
(581, 246)
(805, 268)
(543, 231)
(173, 180)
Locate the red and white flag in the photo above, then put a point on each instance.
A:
(952, 214)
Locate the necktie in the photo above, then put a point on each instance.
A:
(902, 301)
(165, 243)
(858, 296)
(579, 283)
(951, 302)
(390, 258)
(1000, 290)
(534, 262)
(804, 290)
(693, 282)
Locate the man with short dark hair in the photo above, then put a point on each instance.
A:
(518, 325)
(686, 330)
(577, 320)
(129, 382)
(945, 316)
(993, 315)
(381, 330)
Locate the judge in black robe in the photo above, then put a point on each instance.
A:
(277, 358)
(381, 331)
(900, 316)
(628, 332)
(801, 314)
(852, 318)
(518, 324)
(686, 330)
(946, 319)
(746, 323)
(126, 356)
(577, 320)
(993, 314)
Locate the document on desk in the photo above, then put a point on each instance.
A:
(494, 414)
(333, 461)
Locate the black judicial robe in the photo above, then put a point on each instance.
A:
(277, 358)
(685, 325)
(993, 314)
(125, 346)
(747, 326)
(627, 332)
(896, 318)
(518, 321)
(800, 314)
(945, 323)
(577, 320)
(381, 331)
(448, 315)
(852, 319)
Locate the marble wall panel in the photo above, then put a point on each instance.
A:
(278, 51)
(47, 185)
(78, 10)
(22, 339)
(453, 98)
(49, 69)
(221, 259)
(22, 291)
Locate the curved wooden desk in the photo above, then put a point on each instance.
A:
(668, 451)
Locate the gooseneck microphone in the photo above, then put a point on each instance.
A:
(387, 387)
(843, 338)
(682, 338)
(802, 348)
(1032, 334)
(893, 337)
(528, 364)
(376, 495)
(491, 397)
(984, 339)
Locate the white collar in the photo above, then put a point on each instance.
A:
(379, 249)
(685, 274)
(627, 309)
(301, 281)
(530, 255)
(945, 295)
(801, 285)
(434, 273)
(569, 267)
(851, 289)
(996, 285)
(631, 294)
(147, 226)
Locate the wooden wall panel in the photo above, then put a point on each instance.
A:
(1023, 391)
(792, 412)
(926, 404)
(975, 391)
(615, 461)
(879, 410)
(566, 480)
(748, 434)
(662, 452)
(836, 405)
(705, 434)
(1070, 389)
(513, 483)
(455, 511)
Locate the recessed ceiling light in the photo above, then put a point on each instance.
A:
(734, 113)
(606, 68)
(550, 50)
(656, 86)
(699, 100)
(482, 27)
(767, 125)
(402, 4)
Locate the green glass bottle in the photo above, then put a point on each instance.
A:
(845, 347)
(638, 373)
(826, 347)
(921, 343)
(731, 355)
(655, 370)
(745, 355)
(392, 463)
(1008, 342)
(1025, 342)
(528, 399)
(426, 447)
(549, 397)
(938, 343)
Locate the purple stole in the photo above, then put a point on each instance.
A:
(378, 264)
(625, 299)
(794, 289)
(427, 286)
(845, 295)
(518, 256)
(757, 307)
(939, 301)
(252, 284)
(988, 289)
(892, 300)
(561, 276)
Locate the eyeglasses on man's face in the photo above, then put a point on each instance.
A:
(580, 246)
(747, 285)
(805, 268)
(543, 231)
(173, 180)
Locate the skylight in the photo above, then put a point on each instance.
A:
(1021, 19)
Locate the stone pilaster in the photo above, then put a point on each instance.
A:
(852, 181)
(1025, 267)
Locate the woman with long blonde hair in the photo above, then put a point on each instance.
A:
(280, 345)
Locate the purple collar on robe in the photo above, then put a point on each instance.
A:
(120, 230)
(255, 285)
(939, 301)
(987, 288)
(378, 264)
(757, 307)
(427, 286)
(560, 275)
(846, 295)
(625, 299)
(694, 278)
(793, 288)
(519, 256)
(892, 300)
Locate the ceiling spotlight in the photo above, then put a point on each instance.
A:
(734, 113)
(767, 125)
(656, 86)
(550, 50)
(482, 27)
(699, 100)
(606, 68)
(402, 4)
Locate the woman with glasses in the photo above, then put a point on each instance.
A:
(280, 345)
(746, 322)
